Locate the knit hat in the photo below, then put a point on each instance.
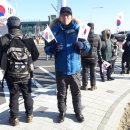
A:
(13, 22)
(91, 25)
(65, 10)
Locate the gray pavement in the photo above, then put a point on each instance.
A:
(102, 108)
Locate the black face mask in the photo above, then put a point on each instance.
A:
(108, 36)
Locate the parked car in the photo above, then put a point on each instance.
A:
(121, 35)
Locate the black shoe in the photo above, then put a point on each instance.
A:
(14, 121)
(122, 72)
(110, 78)
(102, 79)
(84, 88)
(79, 117)
(93, 88)
(61, 117)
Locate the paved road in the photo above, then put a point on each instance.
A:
(44, 74)
(102, 108)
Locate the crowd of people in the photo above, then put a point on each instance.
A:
(71, 54)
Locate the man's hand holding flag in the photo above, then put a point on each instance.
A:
(49, 37)
(47, 34)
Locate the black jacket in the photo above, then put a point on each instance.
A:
(106, 49)
(4, 40)
(95, 52)
(126, 53)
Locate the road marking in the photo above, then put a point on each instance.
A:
(46, 71)
(36, 83)
(45, 66)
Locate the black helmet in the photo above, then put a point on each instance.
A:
(13, 22)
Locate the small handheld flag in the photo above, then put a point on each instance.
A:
(47, 34)
(83, 32)
(105, 65)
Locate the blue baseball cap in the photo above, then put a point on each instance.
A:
(65, 10)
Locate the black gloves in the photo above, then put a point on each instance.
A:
(56, 47)
(78, 45)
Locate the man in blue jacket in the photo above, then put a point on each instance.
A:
(66, 49)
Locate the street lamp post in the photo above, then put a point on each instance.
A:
(92, 10)
(60, 3)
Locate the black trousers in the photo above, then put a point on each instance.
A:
(15, 89)
(86, 65)
(125, 63)
(113, 66)
(62, 86)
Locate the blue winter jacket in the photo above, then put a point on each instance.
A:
(67, 61)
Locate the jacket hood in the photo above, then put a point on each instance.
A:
(55, 21)
(106, 34)
(16, 33)
(58, 25)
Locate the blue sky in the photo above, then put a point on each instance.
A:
(102, 12)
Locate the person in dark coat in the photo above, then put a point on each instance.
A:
(115, 51)
(106, 52)
(89, 61)
(66, 49)
(126, 56)
(24, 86)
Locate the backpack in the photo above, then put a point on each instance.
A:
(16, 61)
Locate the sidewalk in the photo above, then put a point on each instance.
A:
(102, 108)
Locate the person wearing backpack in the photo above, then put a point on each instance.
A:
(89, 61)
(18, 70)
(66, 49)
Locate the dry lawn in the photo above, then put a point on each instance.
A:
(125, 120)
